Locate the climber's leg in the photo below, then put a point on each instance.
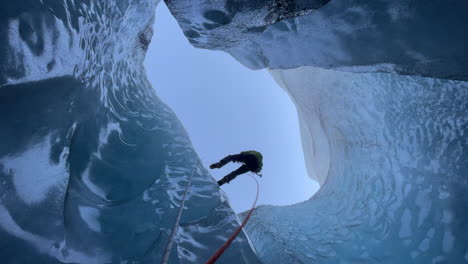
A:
(241, 170)
(226, 160)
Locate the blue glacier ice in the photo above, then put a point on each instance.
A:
(414, 37)
(381, 93)
(391, 154)
(93, 165)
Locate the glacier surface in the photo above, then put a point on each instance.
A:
(93, 165)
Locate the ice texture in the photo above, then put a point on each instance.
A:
(92, 164)
(381, 93)
(412, 37)
(392, 154)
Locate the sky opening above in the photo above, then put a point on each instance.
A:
(227, 108)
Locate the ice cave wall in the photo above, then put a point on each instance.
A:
(92, 164)
(424, 38)
(383, 132)
(396, 186)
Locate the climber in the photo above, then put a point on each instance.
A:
(252, 161)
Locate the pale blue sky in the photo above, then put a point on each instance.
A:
(227, 108)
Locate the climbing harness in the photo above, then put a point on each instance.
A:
(226, 244)
(170, 241)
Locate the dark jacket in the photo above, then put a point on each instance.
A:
(253, 160)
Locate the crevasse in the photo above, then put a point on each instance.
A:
(93, 165)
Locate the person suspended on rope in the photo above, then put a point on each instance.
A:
(252, 161)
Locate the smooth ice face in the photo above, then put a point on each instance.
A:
(92, 164)
(398, 36)
(394, 171)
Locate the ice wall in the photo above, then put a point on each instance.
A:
(92, 164)
(396, 36)
(395, 166)
(387, 143)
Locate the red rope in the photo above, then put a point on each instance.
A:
(221, 250)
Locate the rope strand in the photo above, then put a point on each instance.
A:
(226, 244)
(170, 241)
